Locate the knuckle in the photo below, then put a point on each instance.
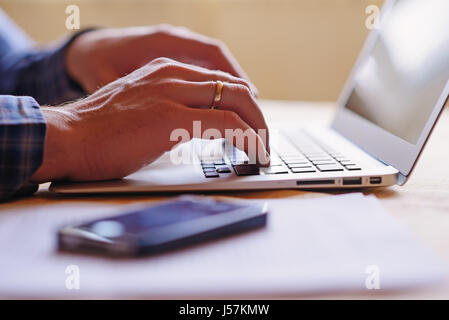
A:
(164, 28)
(170, 68)
(170, 30)
(225, 75)
(243, 90)
(161, 60)
(127, 84)
(218, 44)
(166, 66)
(184, 29)
(245, 83)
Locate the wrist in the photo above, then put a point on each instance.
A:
(57, 156)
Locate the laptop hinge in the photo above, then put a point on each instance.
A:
(401, 179)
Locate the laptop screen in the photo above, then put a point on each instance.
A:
(400, 81)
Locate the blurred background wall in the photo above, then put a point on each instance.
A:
(292, 49)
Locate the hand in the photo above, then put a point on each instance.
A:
(99, 57)
(127, 124)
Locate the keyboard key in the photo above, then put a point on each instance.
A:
(303, 170)
(320, 162)
(211, 175)
(327, 158)
(300, 165)
(275, 170)
(297, 162)
(353, 168)
(329, 167)
(314, 153)
(342, 159)
(297, 157)
(246, 169)
(209, 170)
(275, 162)
(348, 164)
(223, 169)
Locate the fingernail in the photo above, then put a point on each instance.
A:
(267, 158)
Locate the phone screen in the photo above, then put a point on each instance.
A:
(146, 219)
(166, 226)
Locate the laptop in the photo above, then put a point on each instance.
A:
(386, 113)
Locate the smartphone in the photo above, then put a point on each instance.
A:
(170, 225)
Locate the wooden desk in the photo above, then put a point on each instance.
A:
(422, 204)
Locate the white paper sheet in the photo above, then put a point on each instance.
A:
(309, 246)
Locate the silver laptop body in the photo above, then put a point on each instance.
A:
(386, 112)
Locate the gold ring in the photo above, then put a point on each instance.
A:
(217, 98)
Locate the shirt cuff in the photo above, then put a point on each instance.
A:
(22, 142)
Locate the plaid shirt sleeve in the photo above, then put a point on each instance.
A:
(26, 72)
(40, 74)
(22, 138)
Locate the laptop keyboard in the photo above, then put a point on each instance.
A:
(303, 155)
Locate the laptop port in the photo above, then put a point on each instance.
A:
(314, 182)
(375, 180)
(352, 181)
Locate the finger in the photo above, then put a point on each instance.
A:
(235, 97)
(225, 61)
(196, 73)
(220, 57)
(215, 54)
(230, 126)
